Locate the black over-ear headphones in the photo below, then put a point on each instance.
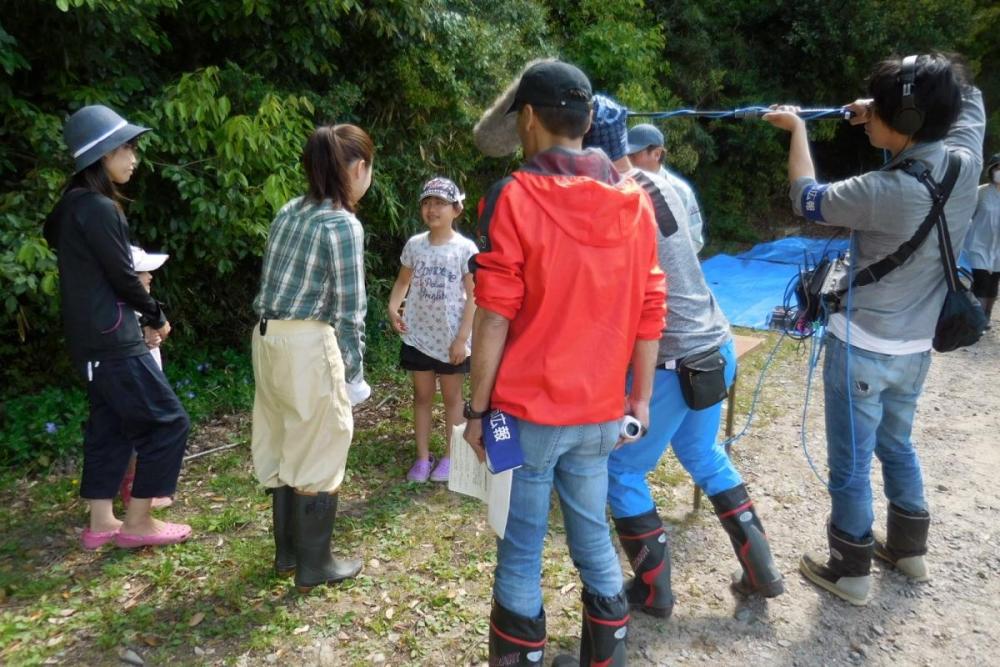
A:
(908, 119)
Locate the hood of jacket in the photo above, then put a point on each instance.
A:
(584, 195)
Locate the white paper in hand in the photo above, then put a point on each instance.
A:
(471, 478)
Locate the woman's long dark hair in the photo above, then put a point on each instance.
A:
(95, 178)
(329, 152)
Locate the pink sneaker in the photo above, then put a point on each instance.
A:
(91, 540)
(172, 533)
(441, 471)
(420, 470)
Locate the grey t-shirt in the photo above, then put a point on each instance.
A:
(696, 225)
(885, 208)
(695, 322)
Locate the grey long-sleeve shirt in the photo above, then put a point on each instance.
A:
(885, 208)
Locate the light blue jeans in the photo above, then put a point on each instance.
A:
(883, 400)
(575, 460)
(694, 435)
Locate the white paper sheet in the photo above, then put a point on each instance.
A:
(471, 478)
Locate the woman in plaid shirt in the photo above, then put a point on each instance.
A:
(307, 353)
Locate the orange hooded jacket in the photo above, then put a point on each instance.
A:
(568, 255)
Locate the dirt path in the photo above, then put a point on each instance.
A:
(951, 620)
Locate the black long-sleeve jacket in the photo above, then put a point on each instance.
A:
(99, 287)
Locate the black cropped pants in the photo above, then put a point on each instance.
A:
(132, 408)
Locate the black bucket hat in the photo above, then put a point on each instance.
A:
(94, 131)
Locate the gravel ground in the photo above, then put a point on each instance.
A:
(950, 620)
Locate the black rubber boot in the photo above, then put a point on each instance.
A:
(847, 572)
(760, 575)
(605, 626)
(645, 543)
(284, 544)
(987, 304)
(516, 641)
(312, 525)
(905, 542)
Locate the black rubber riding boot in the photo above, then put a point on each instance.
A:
(905, 542)
(284, 544)
(605, 626)
(847, 573)
(516, 641)
(760, 575)
(312, 525)
(645, 543)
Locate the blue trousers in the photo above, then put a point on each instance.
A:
(694, 437)
(883, 400)
(574, 460)
(132, 408)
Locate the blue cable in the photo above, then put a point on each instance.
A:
(756, 394)
(838, 113)
(814, 361)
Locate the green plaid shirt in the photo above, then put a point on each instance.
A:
(314, 270)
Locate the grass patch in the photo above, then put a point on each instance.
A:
(423, 597)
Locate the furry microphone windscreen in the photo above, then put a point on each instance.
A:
(496, 132)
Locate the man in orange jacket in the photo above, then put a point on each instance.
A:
(569, 294)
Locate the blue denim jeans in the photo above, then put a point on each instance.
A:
(694, 435)
(575, 460)
(883, 399)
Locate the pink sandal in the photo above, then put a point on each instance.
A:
(91, 540)
(172, 533)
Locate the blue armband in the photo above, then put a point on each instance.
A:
(812, 202)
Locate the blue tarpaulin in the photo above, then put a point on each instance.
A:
(749, 286)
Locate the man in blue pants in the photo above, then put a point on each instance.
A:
(696, 329)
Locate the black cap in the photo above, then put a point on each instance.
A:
(993, 163)
(553, 83)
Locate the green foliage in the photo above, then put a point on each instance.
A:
(42, 428)
(725, 54)
(233, 87)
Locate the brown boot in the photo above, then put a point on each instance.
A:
(905, 542)
(847, 572)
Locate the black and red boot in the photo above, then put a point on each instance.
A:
(645, 543)
(516, 641)
(760, 575)
(605, 627)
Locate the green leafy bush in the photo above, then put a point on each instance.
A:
(232, 88)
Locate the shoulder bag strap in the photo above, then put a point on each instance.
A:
(939, 196)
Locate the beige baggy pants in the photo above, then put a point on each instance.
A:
(302, 420)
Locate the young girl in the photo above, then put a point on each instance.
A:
(132, 406)
(144, 264)
(437, 324)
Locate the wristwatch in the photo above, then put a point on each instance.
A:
(469, 413)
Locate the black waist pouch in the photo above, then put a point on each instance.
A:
(703, 379)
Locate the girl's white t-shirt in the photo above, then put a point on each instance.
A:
(436, 299)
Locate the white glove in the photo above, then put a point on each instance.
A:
(358, 392)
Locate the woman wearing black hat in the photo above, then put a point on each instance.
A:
(982, 245)
(132, 406)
